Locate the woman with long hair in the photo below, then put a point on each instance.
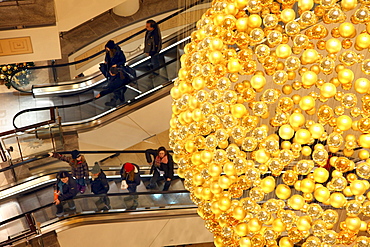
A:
(162, 164)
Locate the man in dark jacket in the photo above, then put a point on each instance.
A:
(65, 190)
(162, 164)
(114, 57)
(153, 43)
(116, 84)
(100, 186)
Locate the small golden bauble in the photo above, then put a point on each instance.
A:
(362, 85)
(283, 191)
(278, 225)
(309, 78)
(335, 32)
(348, 4)
(296, 98)
(363, 154)
(322, 194)
(304, 223)
(296, 202)
(316, 130)
(346, 76)
(254, 21)
(302, 136)
(258, 81)
(344, 122)
(283, 51)
(285, 242)
(307, 103)
(353, 223)
(286, 132)
(309, 56)
(306, 151)
(364, 140)
(337, 200)
(287, 89)
(286, 145)
(357, 187)
(362, 41)
(347, 30)
(333, 45)
(321, 175)
(307, 185)
(254, 225)
(328, 90)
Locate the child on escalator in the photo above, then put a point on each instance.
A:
(80, 169)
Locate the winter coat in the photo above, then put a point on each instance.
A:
(114, 83)
(79, 168)
(167, 168)
(118, 58)
(69, 190)
(153, 42)
(125, 175)
(100, 184)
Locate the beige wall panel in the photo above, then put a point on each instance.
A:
(15, 46)
(29, 45)
(71, 13)
(148, 233)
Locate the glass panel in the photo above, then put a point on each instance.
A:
(23, 80)
(104, 203)
(13, 229)
(146, 82)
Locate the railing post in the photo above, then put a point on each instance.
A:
(59, 121)
(31, 222)
(19, 147)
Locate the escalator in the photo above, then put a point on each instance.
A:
(83, 107)
(34, 194)
(74, 101)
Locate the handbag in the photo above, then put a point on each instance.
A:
(129, 72)
(124, 185)
(104, 69)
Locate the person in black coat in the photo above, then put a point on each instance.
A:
(130, 174)
(153, 43)
(116, 81)
(114, 57)
(65, 190)
(161, 164)
(100, 186)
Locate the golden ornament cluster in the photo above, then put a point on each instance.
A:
(271, 122)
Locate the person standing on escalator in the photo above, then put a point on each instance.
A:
(80, 169)
(130, 174)
(114, 57)
(162, 164)
(117, 84)
(100, 187)
(64, 191)
(153, 44)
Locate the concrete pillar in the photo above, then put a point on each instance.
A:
(128, 8)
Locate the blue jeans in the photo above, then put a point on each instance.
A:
(80, 181)
(155, 61)
(155, 178)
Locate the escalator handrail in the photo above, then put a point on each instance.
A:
(92, 195)
(89, 100)
(118, 43)
(69, 152)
